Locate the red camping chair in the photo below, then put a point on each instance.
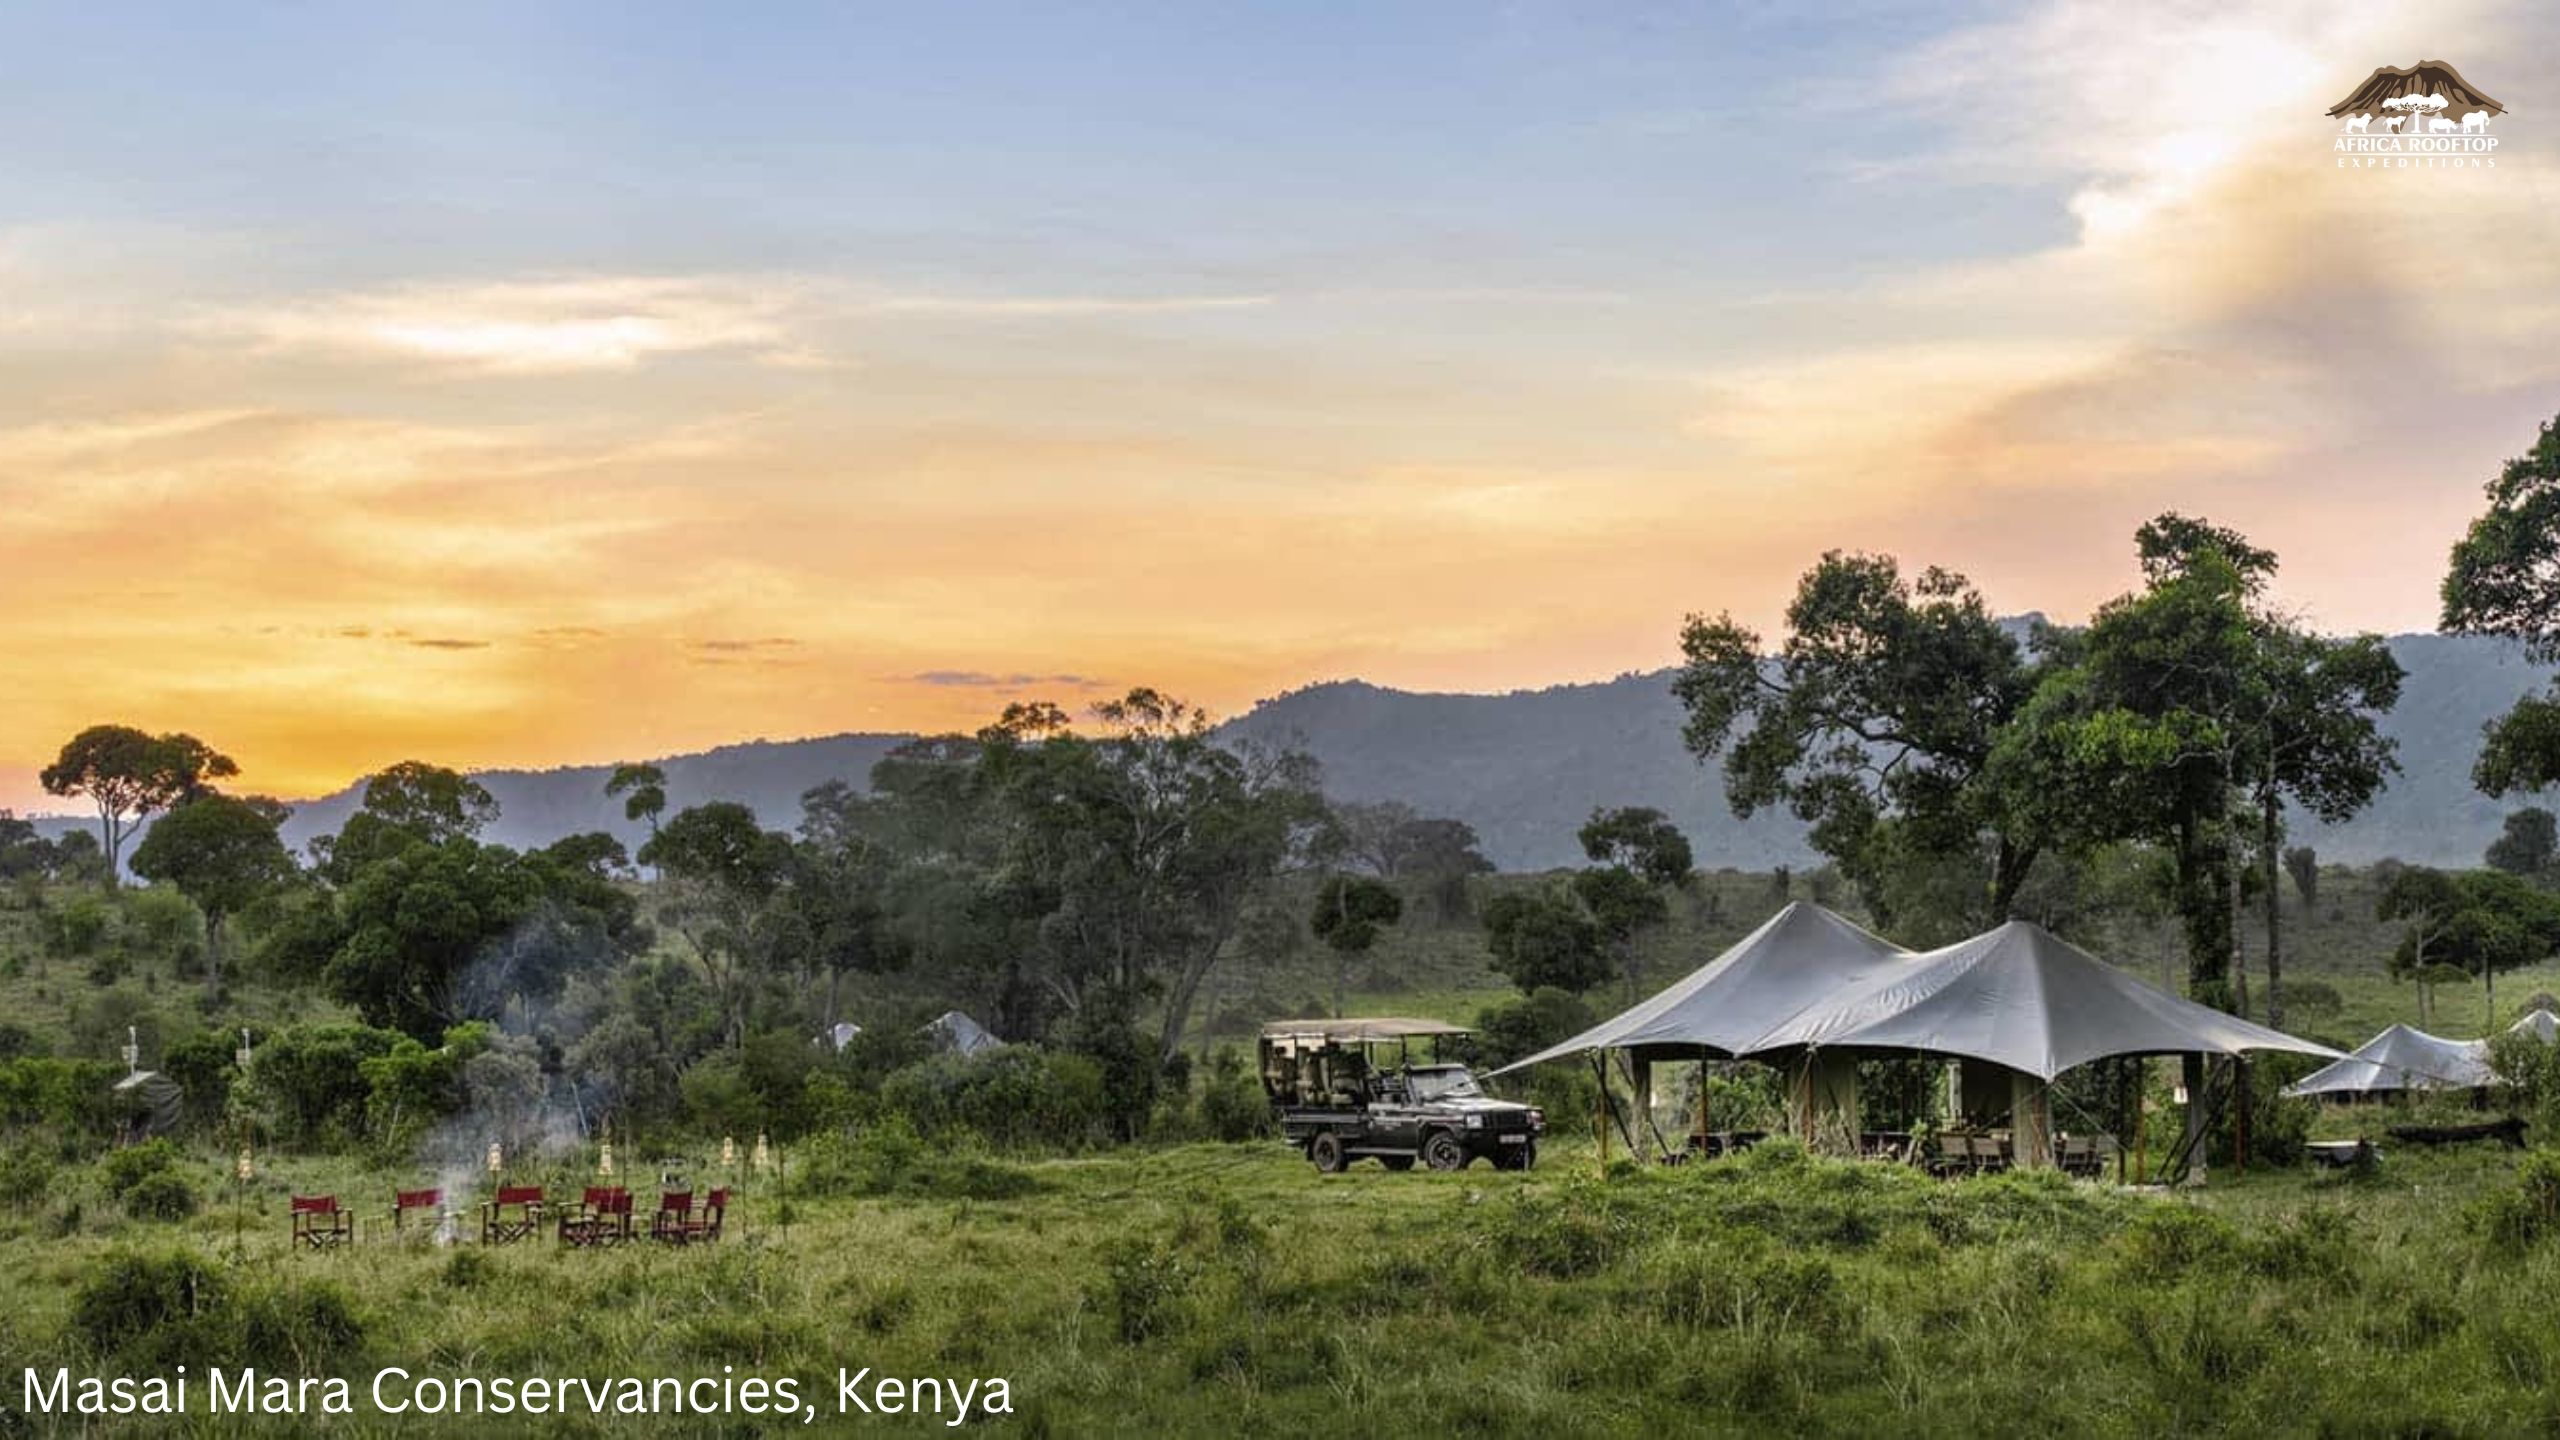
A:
(603, 1217)
(403, 1202)
(515, 1214)
(320, 1224)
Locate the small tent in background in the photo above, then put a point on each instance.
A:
(148, 1103)
(2541, 1024)
(838, 1036)
(961, 1035)
(2397, 1060)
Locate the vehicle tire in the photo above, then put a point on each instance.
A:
(1441, 1151)
(1398, 1163)
(1326, 1151)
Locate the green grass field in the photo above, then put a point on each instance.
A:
(1203, 1289)
(1231, 1290)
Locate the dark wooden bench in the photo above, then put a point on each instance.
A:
(603, 1217)
(515, 1214)
(2508, 1132)
(319, 1223)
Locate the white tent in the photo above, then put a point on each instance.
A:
(2401, 1058)
(1802, 955)
(961, 1035)
(2024, 999)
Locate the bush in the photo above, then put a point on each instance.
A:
(161, 924)
(70, 1096)
(155, 1304)
(1232, 1105)
(165, 1195)
(889, 1158)
(1019, 1097)
(2520, 1214)
(134, 1164)
(76, 929)
(310, 1080)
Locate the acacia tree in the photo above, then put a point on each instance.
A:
(643, 787)
(130, 775)
(1873, 724)
(2504, 579)
(222, 852)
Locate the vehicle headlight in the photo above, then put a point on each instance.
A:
(1475, 1122)
(1537, 1119)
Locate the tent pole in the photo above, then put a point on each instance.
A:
(1600, 1116)
(1703, 1131)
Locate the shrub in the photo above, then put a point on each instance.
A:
(2523, 1212)
(134, 1164)
(1021, 1096)
(76, 929)
(161, 924)
(70, 1096)
(165, 1195)
(1232, 1105)
(1140, 1281)
(161, 1304)
(889, 1158)
(309, 1079)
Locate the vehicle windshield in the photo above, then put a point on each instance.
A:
(1453, 1083)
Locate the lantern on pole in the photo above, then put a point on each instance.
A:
(240, 1057)
(497, 1160)
(132, 1050)
(604, 1159)
(728, 1152)
(764, 1156)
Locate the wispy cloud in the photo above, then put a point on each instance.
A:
(525, 326)
(990, 680)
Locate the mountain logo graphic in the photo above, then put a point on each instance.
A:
(2416, 116)
(2430, 97)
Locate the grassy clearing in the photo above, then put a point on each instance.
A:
(1231, 1289)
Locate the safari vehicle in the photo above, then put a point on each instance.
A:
(1344, 1089)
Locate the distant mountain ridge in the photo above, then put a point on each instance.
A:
(1528, 767)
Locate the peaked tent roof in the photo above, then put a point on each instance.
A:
(2022, 997)
(2541, 1023)
(960, 1034)
(2401, 1058)
(1800, 956)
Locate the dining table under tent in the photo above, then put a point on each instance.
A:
(1813, 994)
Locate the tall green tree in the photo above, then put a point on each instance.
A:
(2186, 715)
(222, 852)
(643, 787)
(1873, 724)
(130, 775)
(410, 803)
(2528, 844)
(1639, 858)
(1132, 853)
(2504, 579)
(1544, 940)
(1349, 914)
(2479, 922)
(721, 872)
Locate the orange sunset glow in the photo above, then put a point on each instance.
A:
(510, 427)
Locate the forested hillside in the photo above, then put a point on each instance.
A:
(1528, 767)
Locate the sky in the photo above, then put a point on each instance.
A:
(526, 385)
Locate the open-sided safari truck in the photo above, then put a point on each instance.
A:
(1347, 1088)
